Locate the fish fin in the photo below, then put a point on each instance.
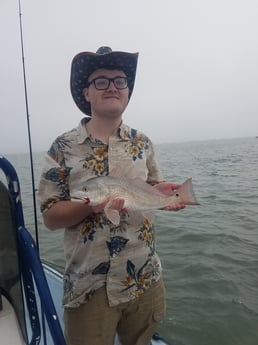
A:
(144, 186)
(125, 175)
(136, 181)
(118, 172)
(112, 215)
(186, 193)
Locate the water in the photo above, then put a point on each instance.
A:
(209, 252)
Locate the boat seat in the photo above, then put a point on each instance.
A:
(12, 321)
(9, 325)
(22, 277)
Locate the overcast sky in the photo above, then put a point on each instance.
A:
(197, 76)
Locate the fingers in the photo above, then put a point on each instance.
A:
(167, 188)
(175, 186)
(174, 207)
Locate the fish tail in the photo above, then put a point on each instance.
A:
(186, 193)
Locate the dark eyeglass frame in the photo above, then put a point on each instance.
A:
(113, 80)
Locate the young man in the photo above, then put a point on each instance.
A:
(112, 280)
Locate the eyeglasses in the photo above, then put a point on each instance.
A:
(102, 83)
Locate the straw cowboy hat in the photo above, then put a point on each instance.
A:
(84, 63)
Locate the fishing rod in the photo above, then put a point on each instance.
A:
(28, 129)
(31, 159)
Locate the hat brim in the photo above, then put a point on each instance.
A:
(84, 63)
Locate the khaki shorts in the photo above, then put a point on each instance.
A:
(96, 323)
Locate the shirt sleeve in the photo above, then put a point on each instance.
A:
(53, 184)
(154, 173)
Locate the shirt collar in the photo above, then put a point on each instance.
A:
(82, 133)
(123, 132)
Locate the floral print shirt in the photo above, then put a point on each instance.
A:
(98, 253)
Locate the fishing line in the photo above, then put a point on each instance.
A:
(43, 323)
(28, 129)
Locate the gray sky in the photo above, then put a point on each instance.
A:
(197, 76)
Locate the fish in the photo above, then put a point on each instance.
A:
(137, 194)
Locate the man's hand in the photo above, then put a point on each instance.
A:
(169, 188)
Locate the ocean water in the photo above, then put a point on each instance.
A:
(209, 252)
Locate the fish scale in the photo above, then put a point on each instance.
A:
(138, 195)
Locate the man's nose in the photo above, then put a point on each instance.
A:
(112, 85)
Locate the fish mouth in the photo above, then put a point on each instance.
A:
(85, 200)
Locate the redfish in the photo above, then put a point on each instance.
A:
(137, 194)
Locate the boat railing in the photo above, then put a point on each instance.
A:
(29, 273)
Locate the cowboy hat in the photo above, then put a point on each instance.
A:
(84, 63)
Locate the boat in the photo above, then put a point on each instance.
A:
(30, 289)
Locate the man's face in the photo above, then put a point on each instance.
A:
(110, 102)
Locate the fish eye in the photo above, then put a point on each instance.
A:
(85, 189)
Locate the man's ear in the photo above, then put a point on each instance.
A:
(86, 93)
